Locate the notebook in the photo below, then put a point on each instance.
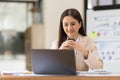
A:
(53, 62)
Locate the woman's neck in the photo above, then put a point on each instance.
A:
(74, 37)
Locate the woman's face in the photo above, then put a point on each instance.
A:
(71, 26)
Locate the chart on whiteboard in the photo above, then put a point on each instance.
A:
(104, 27)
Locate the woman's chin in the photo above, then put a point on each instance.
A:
(70, 36)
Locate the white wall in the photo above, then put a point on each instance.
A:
(52, 12)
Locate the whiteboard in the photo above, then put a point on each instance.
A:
(104, 27)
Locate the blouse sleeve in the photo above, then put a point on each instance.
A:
(94, 61)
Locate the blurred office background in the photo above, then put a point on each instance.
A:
(29, 24)
(33, 24)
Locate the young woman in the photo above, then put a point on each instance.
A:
(73, 36)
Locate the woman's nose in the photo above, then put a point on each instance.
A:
(69, 27)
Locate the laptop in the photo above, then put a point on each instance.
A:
(53, 62)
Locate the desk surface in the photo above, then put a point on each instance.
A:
(18, 77)
(81, 76)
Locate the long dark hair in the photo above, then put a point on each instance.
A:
(75, 14)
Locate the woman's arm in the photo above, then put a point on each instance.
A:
(94, 61)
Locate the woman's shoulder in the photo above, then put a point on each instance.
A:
(55, 41)
(86, 38)
(54, 44)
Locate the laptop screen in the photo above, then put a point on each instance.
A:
(52, 61)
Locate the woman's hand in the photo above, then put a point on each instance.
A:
(78, 47)
(70, 44)
(66, 45)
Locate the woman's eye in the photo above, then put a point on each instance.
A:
(65, 24)
(73, 24)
